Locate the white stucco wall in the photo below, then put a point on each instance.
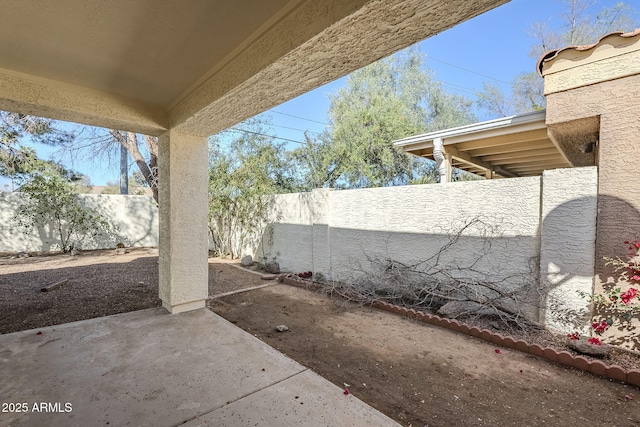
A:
(535, 231)
(567, 255)
(135, 219)
(412, 223)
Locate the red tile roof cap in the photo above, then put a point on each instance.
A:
(553, 54)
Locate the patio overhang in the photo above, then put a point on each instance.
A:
(185, 70)
(508, 147)
(200, 66)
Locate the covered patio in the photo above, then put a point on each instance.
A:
(181, 72)
(508, 147)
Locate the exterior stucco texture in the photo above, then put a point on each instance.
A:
(135, 219)
(520, 232)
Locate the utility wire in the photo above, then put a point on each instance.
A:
(301, 118)
(466, 69)
(301, 130)
(264, 134)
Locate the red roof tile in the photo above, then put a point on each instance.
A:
(553, 54)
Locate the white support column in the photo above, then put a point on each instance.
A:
(183, 166)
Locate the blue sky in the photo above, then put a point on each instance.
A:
(491, 47)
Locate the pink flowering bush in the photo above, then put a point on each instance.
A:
(614, 304)
(595, 341)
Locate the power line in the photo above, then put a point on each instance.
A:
(264, 134)
(467, 70)
(301, 118)
(301, 130)
(459, 88)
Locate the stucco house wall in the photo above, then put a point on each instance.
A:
(592, 92)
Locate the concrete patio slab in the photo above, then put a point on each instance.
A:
(149, 368)
(303, 399)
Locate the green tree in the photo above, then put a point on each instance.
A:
(579, 25)
(387, 100)
(52, 201)
(245, 166)
(17, 158)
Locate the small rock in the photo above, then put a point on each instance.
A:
(246, 261)
(120, 251)
(269, 276)
(75, 252)
(494, 325)
(22, 255)
(282, 328)
(584, 347)
(272, 267)
(153, 251)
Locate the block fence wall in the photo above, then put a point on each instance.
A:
(135, 219)
(537, 229)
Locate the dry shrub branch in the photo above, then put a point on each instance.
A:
(457, 290)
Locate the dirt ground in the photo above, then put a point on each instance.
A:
(100, 283)
(418, 374)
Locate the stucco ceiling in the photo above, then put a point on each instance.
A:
(149, 50)
(197, 66)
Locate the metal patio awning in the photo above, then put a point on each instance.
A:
(512, 146)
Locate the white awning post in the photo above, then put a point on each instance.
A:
(443, 160)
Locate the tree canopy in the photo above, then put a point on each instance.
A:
(385, 101)
(245, 165)
(17, 158)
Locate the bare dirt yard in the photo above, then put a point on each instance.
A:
(417, 374)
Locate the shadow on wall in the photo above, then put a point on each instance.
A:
(567, 267)
(556, 261)
(134, 218)
(508, 263)
(618, 222)
(566, 272)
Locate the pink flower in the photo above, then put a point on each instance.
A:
(498, 351)
(600, 327)
(595, 341)
(636, 277)
(627, 296)
(574, 336)
(346, 391)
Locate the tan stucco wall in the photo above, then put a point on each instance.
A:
(616, 104)
(567, 75)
